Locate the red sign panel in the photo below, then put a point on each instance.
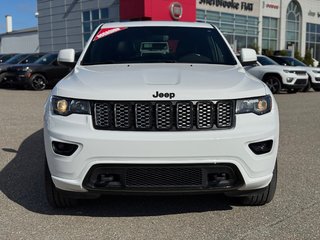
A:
(158, 10)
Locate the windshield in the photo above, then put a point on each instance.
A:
(47, 59)
(32, 58)
(16, 59)
(263, 60)
(5, 58)
(293, 62)
(158, 44)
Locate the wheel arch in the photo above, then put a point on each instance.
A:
(272, 74)
(41, 73)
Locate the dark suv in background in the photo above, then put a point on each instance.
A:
(16, 59)
(44, 72)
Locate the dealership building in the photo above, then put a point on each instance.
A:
(259, 24)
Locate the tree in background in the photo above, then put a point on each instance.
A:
(283, 53)
(298, 56)
(268, 52)
(308, 58)
(255, 47)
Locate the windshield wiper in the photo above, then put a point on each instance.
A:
(99, 63)
(157, 61)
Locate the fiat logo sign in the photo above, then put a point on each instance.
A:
(176, 10)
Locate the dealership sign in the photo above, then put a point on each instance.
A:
(228, 4)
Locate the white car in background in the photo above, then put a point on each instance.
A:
(278, 77)
(313, 73)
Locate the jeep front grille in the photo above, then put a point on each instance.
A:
(163, 115)
(301, 73)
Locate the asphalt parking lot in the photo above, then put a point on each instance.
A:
(24, 213)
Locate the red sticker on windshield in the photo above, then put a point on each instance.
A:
(107, 31)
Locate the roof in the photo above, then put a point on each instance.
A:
(156, 24)
(21, 31)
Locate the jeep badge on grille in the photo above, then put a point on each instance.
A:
(163, 95)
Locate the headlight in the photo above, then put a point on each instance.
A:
(67, 106)
(26, 69)
(288, 71)
(259, 105)
(316, 71)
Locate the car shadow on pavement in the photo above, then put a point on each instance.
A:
(22, 181)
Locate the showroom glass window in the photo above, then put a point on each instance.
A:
(269, 33)
(293, 25)
(91, 20)
(240, 30)
(313, 39)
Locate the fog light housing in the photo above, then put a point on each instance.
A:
(65, 149)
(261, 147)
(290, 79)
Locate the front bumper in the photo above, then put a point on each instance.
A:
(315, 77)
(127, 148)
(297, 84)
(17, 78)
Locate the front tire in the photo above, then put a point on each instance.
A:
(317, 89)
(261, 196)
(307, 88)
(274, 84)
(2, 78)
(56, 198)
(37, 82)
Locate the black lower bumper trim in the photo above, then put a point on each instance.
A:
(176, 178)
(287, 86)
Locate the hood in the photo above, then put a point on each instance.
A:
(315, 70)
(151, 81)
(281, 67)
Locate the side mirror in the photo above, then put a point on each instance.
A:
(248, 56)
(66, 57)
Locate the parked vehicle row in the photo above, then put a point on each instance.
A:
(277, 77)
(35, 71)
(5, 57)
(284, 73)
(313, 72)
(38, 71)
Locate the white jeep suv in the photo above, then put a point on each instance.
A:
(278, 77)
(313, 72)
(162, 108)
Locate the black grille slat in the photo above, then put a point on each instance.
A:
(143, 116)
(163, 115)
(122, 115)
(184, 115)
(103, 115)
(205, 115)
(224, 114)
(163, 177)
